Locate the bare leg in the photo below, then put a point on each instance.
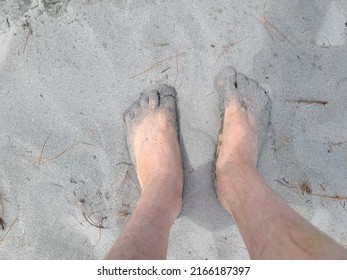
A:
(154, 147)
(269, 227)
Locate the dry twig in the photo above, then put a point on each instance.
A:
(309, 101)
(157, 64)
(41, 153)
(30, 32)
(127, 177)
(2, 222)
(176, 67)
(9, 228)
(266, 24)
(227, 47)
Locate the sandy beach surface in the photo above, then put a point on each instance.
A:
(69, 69)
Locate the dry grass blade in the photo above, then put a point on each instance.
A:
(266, 23)
(284, 182)
(41, 153)
(176, 67)
(2, 222)
(99, 238)
(125, 163)
(30, 32)
(92, 222)
(87, 217)
(157, 64)
(45, 160)
(337, 197)
(227, 47)
(265, 26)
(160, 44)
(343, 204)
(340, 143)
(9, 228)
(127, 177)
(278, 31)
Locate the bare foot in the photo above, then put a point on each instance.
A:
(245, 122)
(153, 140)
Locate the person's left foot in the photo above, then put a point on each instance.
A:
(152, 136)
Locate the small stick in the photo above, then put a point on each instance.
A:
(265, 26)
(309, 101)
(9, 228)
(97, 242)
(265, 22)
(127, 177)
(300, 191)
(30, 32)
(2, 222)
(339, 198)
(338, 143)
(155, 65)
(274, 27)
(228, 46)
(165, 70)
(284, 183)
(123, 162)
(342, 204)
(160, 45)
(176, 67)
(41, 153)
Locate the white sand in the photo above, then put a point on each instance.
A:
(69, 82)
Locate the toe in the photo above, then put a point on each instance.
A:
(153, 98)
(225, 79)
(144, 101)
(132, 112)
(166, 90)
(253, 85)
(241, 81)
(168, 102)
(127, 115)
(262, 97)
(167, 97)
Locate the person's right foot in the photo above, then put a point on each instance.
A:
(152, 136)
(245, 122)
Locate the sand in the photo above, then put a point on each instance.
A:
(69, 69)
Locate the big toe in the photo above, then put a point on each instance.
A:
(167, 97)
(150, 97)
(225, 79)
(241, 81)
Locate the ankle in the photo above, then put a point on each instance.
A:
(163, 192)
(236, 166)
(232, 175)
